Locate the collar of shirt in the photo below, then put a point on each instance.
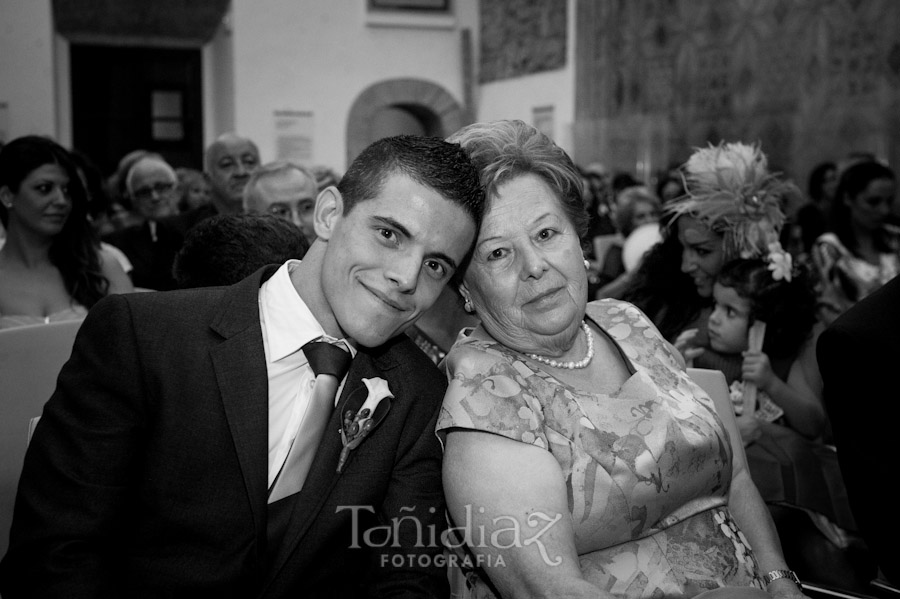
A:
(287, 322)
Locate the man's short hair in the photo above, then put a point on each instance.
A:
(430, 161)
(226, 248)
(271, 169)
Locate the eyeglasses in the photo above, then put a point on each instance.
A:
(146, 193)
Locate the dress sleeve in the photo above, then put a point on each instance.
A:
(490, 392)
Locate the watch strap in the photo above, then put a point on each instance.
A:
(774, 575)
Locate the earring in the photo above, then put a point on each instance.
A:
(587, 264)
(468, 307)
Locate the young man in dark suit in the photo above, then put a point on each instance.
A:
(164, 464)
(858, 357)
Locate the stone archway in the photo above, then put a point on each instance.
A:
(431, 104)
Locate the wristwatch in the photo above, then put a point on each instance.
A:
(774, 575)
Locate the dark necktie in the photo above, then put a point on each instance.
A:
(330, 363)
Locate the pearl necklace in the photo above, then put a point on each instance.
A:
(571, 365)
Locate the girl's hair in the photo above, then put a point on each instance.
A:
(787, 307)
(852, 182)
(74, 251)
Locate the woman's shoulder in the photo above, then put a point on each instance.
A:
(473, 352)
(611, 311)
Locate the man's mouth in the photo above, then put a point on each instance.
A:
(386, 299)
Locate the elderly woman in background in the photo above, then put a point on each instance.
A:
(581, 460)
(52, 267)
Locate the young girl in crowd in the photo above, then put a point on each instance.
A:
(766, 290)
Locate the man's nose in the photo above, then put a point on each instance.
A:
(404, 273)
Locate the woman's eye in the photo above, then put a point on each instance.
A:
(546, 234)
(496, 254)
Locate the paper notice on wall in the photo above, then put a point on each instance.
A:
(294, 135)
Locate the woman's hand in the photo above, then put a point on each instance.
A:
(684, 345)
(757, 369)
(784, 589)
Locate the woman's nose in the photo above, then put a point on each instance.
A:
(687, 262)
(534, 264)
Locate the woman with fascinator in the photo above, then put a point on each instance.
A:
(580, 458)
(732, 210)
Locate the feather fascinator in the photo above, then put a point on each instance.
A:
(730, 189)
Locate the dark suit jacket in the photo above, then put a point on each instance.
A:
(146, 476)
(859, 357)
(152, 260)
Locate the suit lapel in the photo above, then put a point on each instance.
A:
(240, 367)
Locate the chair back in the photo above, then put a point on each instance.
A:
(30, 360)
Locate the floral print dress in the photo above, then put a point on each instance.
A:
(647, 468)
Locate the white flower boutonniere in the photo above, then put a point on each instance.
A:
(356, 426)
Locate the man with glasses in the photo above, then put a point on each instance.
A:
(285, 190)
(151, 184)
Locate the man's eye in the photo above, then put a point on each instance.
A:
(436, 267)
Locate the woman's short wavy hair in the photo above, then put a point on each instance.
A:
(503, 150)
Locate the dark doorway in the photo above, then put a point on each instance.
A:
(128, 98)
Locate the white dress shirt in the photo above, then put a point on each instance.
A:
(287, 325)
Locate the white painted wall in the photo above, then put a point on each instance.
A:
(27, 80)
(319, 55)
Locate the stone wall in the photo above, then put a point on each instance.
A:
(809, 79)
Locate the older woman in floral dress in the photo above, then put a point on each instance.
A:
(581, 460)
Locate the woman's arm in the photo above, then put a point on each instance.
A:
(511, 498)
(749, 510)
(119, 282)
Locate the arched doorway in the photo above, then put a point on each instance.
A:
(401, 106)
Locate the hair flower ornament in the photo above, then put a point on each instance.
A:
(357, 426)
(780, 262)
(730, 189)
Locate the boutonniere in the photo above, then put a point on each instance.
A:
(356, 426)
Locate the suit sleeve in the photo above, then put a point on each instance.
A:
(71, 506)
(414, 566)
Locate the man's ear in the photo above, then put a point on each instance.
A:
(328, 212)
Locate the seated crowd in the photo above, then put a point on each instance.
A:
(519, 333)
